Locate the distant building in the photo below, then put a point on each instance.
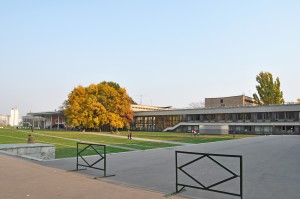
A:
(45, 120)
(237, 115)
(14, 118)
(138, 107)
(4, 119)
(265, 119)
(233, 101)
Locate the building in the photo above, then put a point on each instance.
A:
(240, 100)
(4, 119)
(14, 118)
(45, 120)
(263, 119)
(138, 107)
(272, 119)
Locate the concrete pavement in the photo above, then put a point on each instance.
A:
(271, 167)
(22, 178)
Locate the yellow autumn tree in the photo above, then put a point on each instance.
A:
(105, 106)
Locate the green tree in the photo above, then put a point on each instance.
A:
(268, 90)
(105, 105)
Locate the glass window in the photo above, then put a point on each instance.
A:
(280, 115)
(228, 117)
(291, 115)
(259, 116)
(247, 116)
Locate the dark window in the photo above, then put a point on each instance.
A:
(221, 101)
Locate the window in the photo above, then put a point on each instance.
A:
(221, 101)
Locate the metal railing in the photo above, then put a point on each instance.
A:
(210, 187)
(93, 165)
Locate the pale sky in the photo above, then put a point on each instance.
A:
(164, 52)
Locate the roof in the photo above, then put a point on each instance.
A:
(216, 110)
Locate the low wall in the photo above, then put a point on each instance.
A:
(33, 151)
(213, 129)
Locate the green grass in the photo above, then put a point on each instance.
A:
(66, 141)
(181, 137)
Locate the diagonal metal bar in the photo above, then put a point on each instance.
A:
(222, 166)
(186, 173)
(96, 151)
(91, 167)
(84, 160)
(224, 192)
(212, 190)
(97, 161)
(83, 149)
(222, 181)
(191, 162)
(181, 189)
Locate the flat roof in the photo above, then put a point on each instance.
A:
(46, 113)
(215, 110)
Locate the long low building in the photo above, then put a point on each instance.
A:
(45, 120)
(268, 119)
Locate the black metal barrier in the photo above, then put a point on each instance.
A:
(102, 157)
(201, 186)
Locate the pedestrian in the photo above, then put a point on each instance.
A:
(130, 135)
(31, 139)
(193, 132)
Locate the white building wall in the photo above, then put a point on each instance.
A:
(14, 117)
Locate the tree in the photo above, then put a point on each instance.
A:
(196, 105)
(298, 100)
(105, 105)
(268, 90)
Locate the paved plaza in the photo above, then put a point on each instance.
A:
(270, 171)
(270, 167)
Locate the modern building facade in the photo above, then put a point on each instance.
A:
(266, 119)
(45, 120)
(272, 119)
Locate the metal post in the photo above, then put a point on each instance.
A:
(77, 158)
(104, 161)
(241, 177)
(176, 172)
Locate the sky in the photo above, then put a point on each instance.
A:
(164, 52)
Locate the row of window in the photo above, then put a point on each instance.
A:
(174, 119)
(232, 129)
(269, 116)
(159, 123)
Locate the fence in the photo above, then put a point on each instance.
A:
(93, 165)
(212, 186)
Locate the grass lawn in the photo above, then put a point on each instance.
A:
(181, 137)
(66, 141)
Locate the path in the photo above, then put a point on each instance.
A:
(142, 139)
